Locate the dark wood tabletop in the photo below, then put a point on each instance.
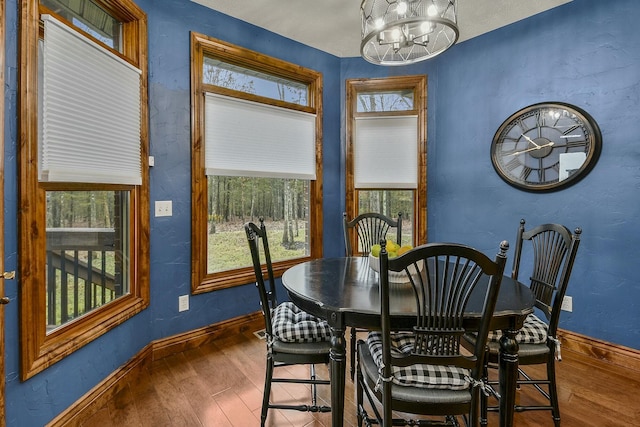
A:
(344, 291)
(350, 287)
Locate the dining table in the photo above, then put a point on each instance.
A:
(345, 292)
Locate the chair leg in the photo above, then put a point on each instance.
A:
(484, 399)
(553, 391)
(314, 388)
(359, 395)
(474, 416)
(353, 352)
(267, 390)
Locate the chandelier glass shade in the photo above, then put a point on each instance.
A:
(400, 32)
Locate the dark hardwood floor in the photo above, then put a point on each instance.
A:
(219, 384)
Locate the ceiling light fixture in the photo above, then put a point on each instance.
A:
(400, 32)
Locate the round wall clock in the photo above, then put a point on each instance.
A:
(546, 146)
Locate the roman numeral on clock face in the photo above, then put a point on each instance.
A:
(512, 164)
(526, 171)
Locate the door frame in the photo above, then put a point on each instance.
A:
(3, 25)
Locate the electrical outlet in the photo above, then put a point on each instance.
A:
(183, 303)
(567, 304)
(164, 208)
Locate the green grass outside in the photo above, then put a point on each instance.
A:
(229, 249)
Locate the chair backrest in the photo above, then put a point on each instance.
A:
(370, 228)
(257, 238)
(553, 249)
(449, 273)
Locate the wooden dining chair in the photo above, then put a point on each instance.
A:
(369, 229)
(552, 250)
(423, 371)
(293, 336)
(366, 230)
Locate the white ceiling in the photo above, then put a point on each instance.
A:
(333, 26)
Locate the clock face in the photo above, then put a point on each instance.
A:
(546, 146)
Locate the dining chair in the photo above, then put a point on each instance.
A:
(552, 251)
(369, 229)
(293, 336)
(423, 370)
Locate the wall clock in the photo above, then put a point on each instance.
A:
(546, 146)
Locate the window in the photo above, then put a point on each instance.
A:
(88, 16)
(87, 252)
(84, 187)
(256, 152)
(386, 151)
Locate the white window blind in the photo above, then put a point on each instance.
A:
(244, 138)
(386, 152)
(90, 111)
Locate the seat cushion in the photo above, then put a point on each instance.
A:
(534, 331)
(424, 376)
(426, 397)
(291, 324)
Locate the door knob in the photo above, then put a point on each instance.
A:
(9, 275)
(5, 300)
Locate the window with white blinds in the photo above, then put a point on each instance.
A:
(90, 111)
(385, 152)
(244, 138)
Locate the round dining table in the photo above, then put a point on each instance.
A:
(345, 292)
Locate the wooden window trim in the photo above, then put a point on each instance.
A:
(39, 350)
(201, 46)
(418, 84)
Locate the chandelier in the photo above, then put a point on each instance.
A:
(400, 32)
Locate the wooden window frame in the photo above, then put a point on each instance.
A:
(418, 84)
(40, 350)
(201, 46)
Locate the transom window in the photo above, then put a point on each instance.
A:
(256, 154)
(223, 74)
(378, 101)
(90, 17)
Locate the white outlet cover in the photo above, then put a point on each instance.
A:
(183, 303)
(163, 208)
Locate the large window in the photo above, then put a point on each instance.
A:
(84, 206)
(256, 153)
(386, 151)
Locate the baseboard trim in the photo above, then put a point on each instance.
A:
(198, 337)
(102, 393)
(600, 350)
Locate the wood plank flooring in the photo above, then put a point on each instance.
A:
(220, 384)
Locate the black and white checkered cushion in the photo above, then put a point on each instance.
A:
(425, 376)
(534, 331)
(291, 324)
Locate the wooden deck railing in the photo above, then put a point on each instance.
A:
(80, 272)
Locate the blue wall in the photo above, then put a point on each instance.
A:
(585, 53)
